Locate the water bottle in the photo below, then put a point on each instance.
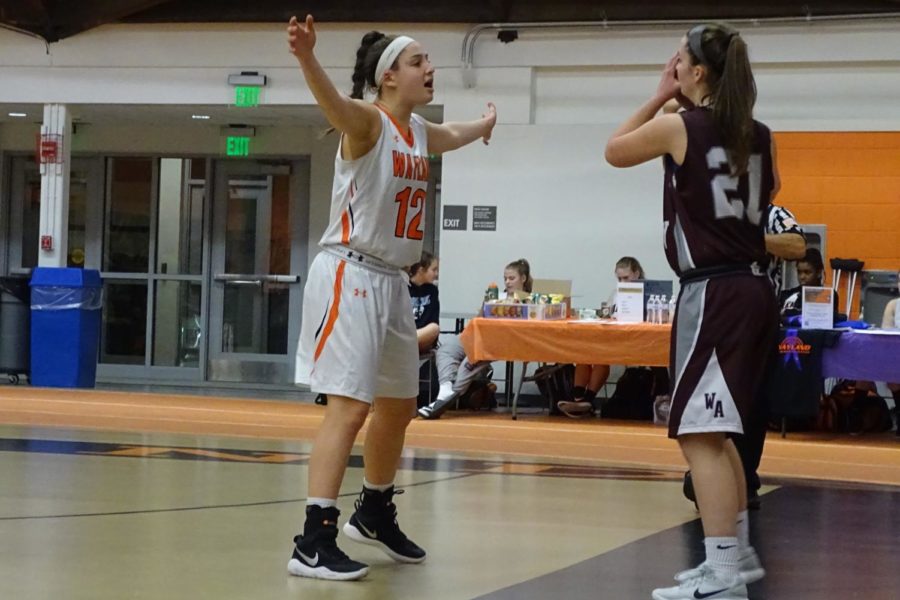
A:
(652, 308)
(663, 309)
(672, 305)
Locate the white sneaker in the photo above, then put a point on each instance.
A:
(705, 586)
(750, 568)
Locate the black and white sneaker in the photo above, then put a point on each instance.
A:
(316, 553)
(436, 408)
(375, 523)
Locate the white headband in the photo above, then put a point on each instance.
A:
(389, 55)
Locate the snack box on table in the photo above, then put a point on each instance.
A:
(541, 312)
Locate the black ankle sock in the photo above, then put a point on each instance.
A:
(590, 395)
(578, 392)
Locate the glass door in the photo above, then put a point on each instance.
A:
(153, 269)
(85, 218)
(259, 253)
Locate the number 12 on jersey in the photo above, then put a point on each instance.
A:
(410, 201)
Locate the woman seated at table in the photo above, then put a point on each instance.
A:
(590, 378)
(455, 372)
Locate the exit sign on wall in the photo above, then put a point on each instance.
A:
(246, 95)
(237, 146)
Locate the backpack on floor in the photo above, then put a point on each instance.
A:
(480, 395)
(555, 383)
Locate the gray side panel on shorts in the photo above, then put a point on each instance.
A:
(691, 302)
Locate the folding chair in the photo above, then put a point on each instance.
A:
(425, 361)
(852, 266)
(548, 371)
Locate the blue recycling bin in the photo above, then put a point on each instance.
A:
(65, 326)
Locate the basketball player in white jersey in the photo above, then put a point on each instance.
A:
(358, 338)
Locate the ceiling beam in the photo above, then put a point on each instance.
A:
(57, 19)
(65, 18)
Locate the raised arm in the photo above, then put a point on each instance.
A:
(784, 236)
(357, 119)
(641, 137)
(790, 246)
(450, 136)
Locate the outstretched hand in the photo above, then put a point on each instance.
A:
(668, 84)
(301, 36)
(490, 119)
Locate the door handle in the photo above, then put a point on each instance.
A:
(254, 282)
(244, 279)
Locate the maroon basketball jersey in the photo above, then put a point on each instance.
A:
(713, 219)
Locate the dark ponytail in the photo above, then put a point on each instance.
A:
(424, 263)
(732, 87)
(370, 49)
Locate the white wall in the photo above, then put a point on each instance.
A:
(562, 207)
(559, 95)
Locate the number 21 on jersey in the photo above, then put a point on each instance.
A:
(722, 184)
(410, 208)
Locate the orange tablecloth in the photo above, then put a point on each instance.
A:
(594, 343)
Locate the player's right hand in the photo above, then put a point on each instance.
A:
(668, 84)
(301, 36)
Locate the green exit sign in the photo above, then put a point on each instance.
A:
(246, 95)
(237, 146)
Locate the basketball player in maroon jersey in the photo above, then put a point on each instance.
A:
(719, 178)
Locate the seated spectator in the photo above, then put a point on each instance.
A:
(889, 320)
(590, 378)
(423, 295)
(455, 372)
(810, 272)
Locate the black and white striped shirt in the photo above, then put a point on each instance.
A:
(779, 220)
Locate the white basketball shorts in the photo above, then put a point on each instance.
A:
(357, 336)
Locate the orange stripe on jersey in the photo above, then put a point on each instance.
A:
(333, 314)
(408, 135)
(345, 228)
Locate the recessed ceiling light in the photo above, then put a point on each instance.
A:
(17, 114)
(200, 117)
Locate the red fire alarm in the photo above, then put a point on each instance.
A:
(47, 242)
(49, 149)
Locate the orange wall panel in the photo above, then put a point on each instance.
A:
(850, 181)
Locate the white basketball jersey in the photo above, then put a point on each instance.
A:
(378, 200)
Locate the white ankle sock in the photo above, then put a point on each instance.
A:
(445, 391)
(743, 530)
(377, 488)
(722, 556)
(323, 502)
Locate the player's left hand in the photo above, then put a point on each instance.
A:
(490, 119)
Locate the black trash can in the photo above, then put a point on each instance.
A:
(15, 325)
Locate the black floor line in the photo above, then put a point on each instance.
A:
(213, 506)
